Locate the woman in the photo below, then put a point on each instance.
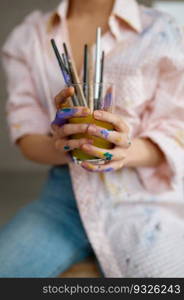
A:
(133, 214)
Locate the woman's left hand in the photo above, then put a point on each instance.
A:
(119, 137)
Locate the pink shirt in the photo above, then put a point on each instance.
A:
(145, 59)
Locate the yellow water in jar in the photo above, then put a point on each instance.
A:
(98, 141)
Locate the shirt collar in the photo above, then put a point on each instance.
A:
(126, 10)
(62, 9)
(58, 15)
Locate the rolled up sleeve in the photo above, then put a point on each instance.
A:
(25, 114)
(163, 122)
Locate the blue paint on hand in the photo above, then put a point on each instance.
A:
(108, 170)
(93, 169)
(62, 115)
(105, 133)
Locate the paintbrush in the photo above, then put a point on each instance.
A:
(85, 72)
(65, 74)
(63, 69)
(101, 80)
(90, 81)
(97, 67)
(75, 78)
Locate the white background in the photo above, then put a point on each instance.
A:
(174, 8)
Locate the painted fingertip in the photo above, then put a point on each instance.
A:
(66, 148)
(68, 109)
(108, 156)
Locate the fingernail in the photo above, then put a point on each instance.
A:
(71, 88)
(97, 114)
(83, 165)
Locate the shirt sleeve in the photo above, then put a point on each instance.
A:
(163, 120)
(25, 114)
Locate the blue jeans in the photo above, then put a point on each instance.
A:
(46, 237)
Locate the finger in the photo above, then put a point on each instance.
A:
(70, 129)
(66, 113)
(63, 95)
(108, 154)
(115, 120)
(115, 137)
(106, 168)
(68, 145)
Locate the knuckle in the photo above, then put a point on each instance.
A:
(82, 127)
(119, 123)
(120, 165)
(81, 142)
(57, 144)
(123, 156)
(118, 138)
(128, 140)
(89, 127)
(64, 129)
(127, 145)
(125, 126)
(124, 141)
(60, 132)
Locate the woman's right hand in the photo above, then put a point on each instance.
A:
(63, 130)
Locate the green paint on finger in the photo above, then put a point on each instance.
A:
(66, 148)
(66, 109)
(108, 156)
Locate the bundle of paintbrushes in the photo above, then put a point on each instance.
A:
(88, 92)
(91, 93)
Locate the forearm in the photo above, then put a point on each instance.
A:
(144, 153)
(40, 148)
